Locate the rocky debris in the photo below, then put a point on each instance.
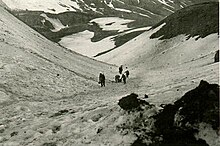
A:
(131, 102)
(49, 144)
(96, 118)
(178, 124)
(2, 128)
(99, 130)
(61, 112)
(216, 59)
(56, 128)
(138, 142)
(14, 133)
(146, 96)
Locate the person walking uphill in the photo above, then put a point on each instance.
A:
(120, 69)
(123, 78)
(102, 79)
(126, 72)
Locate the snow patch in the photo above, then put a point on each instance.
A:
(143, 15)
(168, 10)
(146, 11)
(207, 133)
(109, 4)
(123, 10)
(120, 1)
(130, 50)
(81, 43)
(165, 3)
(51, 6)
(171, 1)
(55, 22)
(137, 29)
(143, 52)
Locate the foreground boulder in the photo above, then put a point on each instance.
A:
(131, 102)
(200, 105)
(177, 124)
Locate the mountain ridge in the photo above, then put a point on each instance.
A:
(176, 39)
(56, 26)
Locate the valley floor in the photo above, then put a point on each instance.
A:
(92, 118)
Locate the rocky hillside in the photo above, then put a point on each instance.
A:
(56, 20)
(202, 20)
(185, 32)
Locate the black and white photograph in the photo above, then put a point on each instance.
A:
(109, 73)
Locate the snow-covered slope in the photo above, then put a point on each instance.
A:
(33, 67)
(158, 60)
(154, 53)
(153, 48)
(82, 42)
(52, 6)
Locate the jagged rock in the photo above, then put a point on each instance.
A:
(146, 96)
(131, 102)
(200, 105)
(217, 56)
(175, 122)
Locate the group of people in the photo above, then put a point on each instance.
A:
(122, 76)
(118, 78)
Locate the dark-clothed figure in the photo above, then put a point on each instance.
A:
(102, 79)
(117, 79)
(120, 69)
(123, 78)
(127, 72)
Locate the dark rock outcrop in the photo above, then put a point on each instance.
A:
(14, 133)
(200, 105)
(131, 102)
(177, 123)
(197, 21)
